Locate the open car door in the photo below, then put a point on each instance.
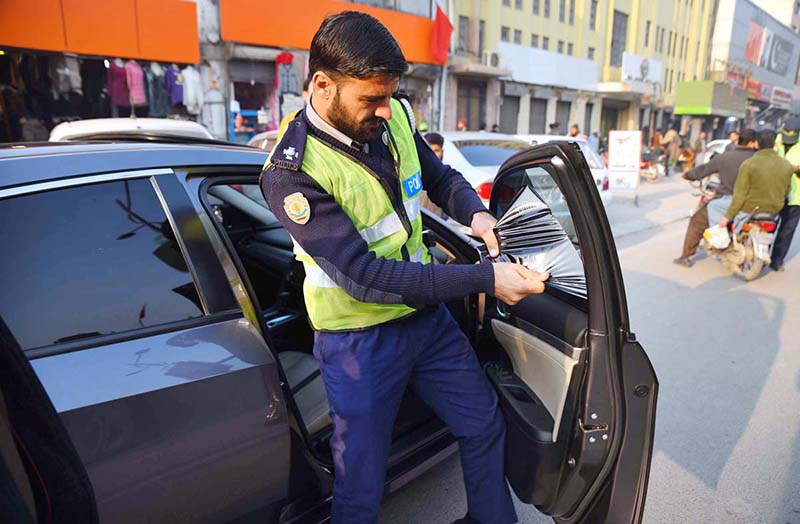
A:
(577, 390)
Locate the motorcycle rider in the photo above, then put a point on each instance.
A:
(788, 146)
(762, 183)
(727, 165)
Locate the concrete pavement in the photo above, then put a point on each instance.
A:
(727, 354)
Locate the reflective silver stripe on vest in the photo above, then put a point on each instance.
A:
(390, 224)
(417, 257)
(317, 277)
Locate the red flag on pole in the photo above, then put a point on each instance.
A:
(440, 38)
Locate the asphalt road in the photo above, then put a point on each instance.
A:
(727, 354)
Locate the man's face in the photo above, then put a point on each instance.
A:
(437, 149)
(358, 108)
(573, 131)
(734, 137)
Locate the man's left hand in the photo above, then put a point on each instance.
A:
(482, 224)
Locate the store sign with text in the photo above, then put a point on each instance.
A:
(781, 98)
(767, 49)
(624, 160)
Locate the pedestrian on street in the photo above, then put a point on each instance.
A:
(762, 183)
(554, 128)
(436, 143)
(345, 180)
(700, 143)
(733, 136)
(462, 124)
(790, 214)
(671, 141)
(594, 141)
(726, 165)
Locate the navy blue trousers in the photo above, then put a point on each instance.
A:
(790, 215)
(366, 374)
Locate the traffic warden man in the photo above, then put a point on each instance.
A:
(345, 180)
(788, 146)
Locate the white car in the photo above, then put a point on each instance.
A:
(478, 155)
(265, 140)
(596, 164)
(99, 127)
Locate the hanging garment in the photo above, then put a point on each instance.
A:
(117, 85)
(135, 80)
(156, 91)
(65, 73)
(192, 90)
(174, 80)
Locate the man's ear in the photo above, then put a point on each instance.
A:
(323, 85)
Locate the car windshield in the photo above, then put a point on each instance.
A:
(489, 152)
(592, 158)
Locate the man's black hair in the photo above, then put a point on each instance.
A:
(746, 136)
(357, 45)
(766, 139)
(435, 139)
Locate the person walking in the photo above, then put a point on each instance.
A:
(726, 165)
(788, 146)
(436, 142)
(762, 183)
(345, 180)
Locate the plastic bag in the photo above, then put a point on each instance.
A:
(717, 237)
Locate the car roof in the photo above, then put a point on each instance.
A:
(455, 136)
(27, 163)
(97, 126)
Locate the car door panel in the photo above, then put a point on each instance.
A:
(185, 424)
(564, 366)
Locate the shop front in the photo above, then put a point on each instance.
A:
(139, 62)
(716, 107)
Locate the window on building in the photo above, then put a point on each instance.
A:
(619, 35)
(647, 33)
(590, 53)
(545, 43)
(463, 34)
(126, 270)
(593, 16)
(481, 36)
(505, 34)
(656, 38)
(536, 7)
(534, 40)
(518, 4)
(560, 47)
(683, 43)
(569, 48)
(669, 44)
(571, 12)
(661, 40)
(562, 10)
(517, 36)
(697, 54)
(507, 3)
(547, 8)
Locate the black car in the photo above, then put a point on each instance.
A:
(151, 299)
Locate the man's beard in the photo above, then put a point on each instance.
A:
(362, 132)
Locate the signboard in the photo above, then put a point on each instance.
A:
(640, 69)
(781, 98)
(767, 49)
(624, 159)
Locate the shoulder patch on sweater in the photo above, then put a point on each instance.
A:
(288, 152)
(297, 208)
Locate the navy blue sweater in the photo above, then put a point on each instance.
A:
(332, 240)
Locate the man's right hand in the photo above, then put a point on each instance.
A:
(513, 282)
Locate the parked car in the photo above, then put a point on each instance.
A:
(159, 304)
(596, 164)
(265, 140)
(116, 127)
(478, 155)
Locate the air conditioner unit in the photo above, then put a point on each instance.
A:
(491, 58)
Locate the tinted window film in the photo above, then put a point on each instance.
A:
(489, 152)
(88, 261)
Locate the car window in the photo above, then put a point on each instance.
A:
(240, 205)
(489, 152)
(89, 261)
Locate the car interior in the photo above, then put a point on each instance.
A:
(532, 352)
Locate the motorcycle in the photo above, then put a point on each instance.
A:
(750, 239)
(653, 165)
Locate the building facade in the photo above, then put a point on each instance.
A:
(599, 64)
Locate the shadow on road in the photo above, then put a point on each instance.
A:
(713, 356)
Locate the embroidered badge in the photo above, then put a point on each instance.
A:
(413, 184)
(290, 153)
(297, 208)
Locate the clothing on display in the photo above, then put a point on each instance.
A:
(174, 80)
(135, 80)
(157, 94)
(65, 73)
(117, 84)
(192, 90)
